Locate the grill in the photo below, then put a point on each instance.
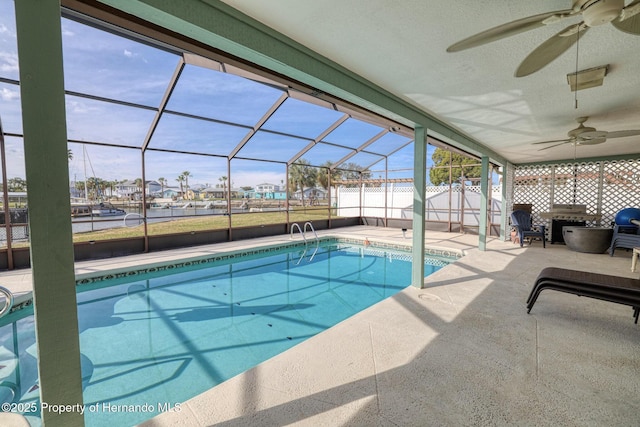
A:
(567, 215)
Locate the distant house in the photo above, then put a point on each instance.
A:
(127, 189)
(153, 187)
(274, 195)
(269, 191)
(171, 193)
(267, 188)
(311, 194)
(213, 193)
(191, 194)
(130, 190)
(220, 193)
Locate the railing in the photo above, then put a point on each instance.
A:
(303, 230)
(312, 229)
(293, 227)
(8, 301)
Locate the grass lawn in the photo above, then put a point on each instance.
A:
(185, 225)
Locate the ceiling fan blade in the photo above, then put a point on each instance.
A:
(593, 141)
(623, 133)
(551, 146)
(629, 19)
(549, 142)
(510, 29)
(594, 134)
(551, 49)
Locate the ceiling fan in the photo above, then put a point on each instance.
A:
(594, 13)
(585, 135)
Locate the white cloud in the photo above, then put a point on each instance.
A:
(7, 94)
(8, 62)
(128, 53)
(66, 32)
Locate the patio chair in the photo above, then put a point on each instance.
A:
(620, 290)
(522, 221)
(625, 236)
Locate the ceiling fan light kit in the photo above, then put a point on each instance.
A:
(594, 13)
(585, 79)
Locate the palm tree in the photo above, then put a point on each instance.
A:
(323, 176)
(163, 182)
(139, 185)
(180, 180)
(186, 175)
(112, 186)
(302, 175)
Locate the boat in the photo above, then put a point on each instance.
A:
(106, 209)
(78, 210)
(88, 209)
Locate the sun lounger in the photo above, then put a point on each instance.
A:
(621, 290)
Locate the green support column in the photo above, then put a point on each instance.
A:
(504, 235)
(484, 201)
(419, 194)
(47, 174)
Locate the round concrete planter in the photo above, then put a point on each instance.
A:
(593, 240)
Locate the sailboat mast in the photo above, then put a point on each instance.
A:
(84, 158)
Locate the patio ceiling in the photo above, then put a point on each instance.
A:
(401, 46)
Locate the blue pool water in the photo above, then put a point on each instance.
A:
(150, 341)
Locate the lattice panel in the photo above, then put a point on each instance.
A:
(604, 187)
(532, 184)
(587, 186)
(508, 181)
(621, 188)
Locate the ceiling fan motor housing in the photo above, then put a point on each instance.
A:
(599, 12)
(580, 130)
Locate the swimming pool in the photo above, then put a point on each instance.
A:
(156, 337)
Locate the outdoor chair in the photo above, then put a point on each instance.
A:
(625, 236)
(522, 221)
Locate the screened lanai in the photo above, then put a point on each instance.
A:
(191, 115)
(189, 148)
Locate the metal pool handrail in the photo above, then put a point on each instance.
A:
(293, 227)
(303, 231)
(311, 227)
(8, 303)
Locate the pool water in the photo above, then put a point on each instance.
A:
(151, 341)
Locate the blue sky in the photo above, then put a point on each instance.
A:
(105, 65)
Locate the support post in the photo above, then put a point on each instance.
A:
(47, 172)
(484, 202)
(419, 194)
(8, 226)
(504, 226)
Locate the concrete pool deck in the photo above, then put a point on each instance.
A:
(461, 351)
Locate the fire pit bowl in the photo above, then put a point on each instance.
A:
(592, 240)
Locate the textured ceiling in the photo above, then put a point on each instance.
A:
(400, 45)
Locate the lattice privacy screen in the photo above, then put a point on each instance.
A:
(605, 187)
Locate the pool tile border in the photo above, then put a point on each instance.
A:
(446, 254)
(441, 258)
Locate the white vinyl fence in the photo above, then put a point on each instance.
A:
(460, 205)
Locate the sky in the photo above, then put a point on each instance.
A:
(106, 65)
